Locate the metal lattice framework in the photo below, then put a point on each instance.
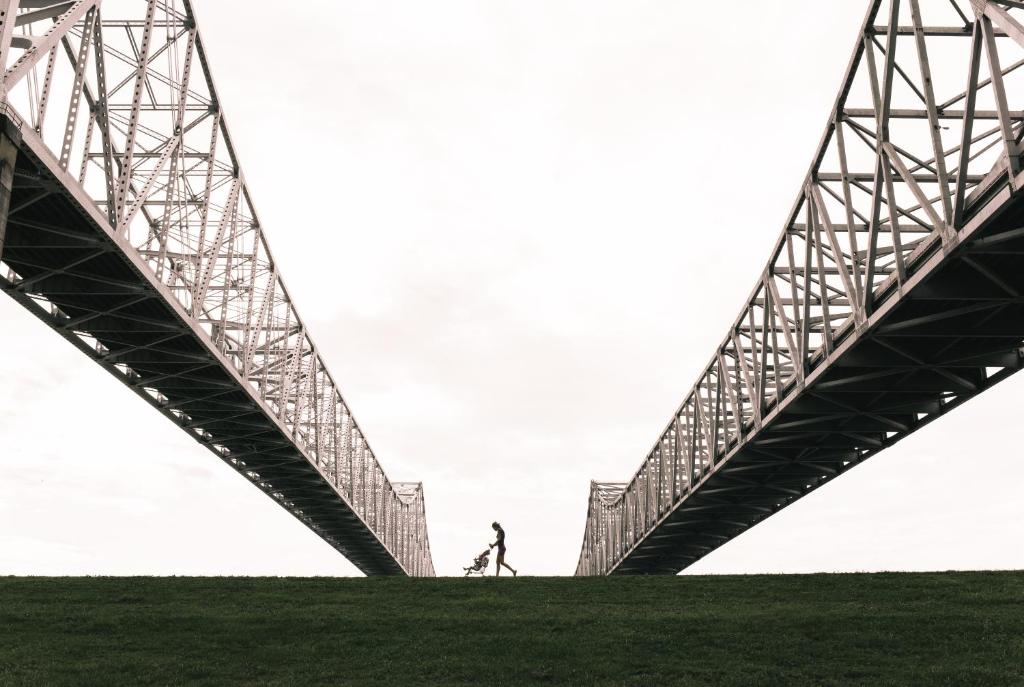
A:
(129, 229)
(893, 294)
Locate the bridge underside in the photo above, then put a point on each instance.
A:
(956, 330)
(92, 289)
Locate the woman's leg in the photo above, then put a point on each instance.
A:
(500, 562)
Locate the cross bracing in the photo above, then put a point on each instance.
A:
(894, 293)
(127, 226)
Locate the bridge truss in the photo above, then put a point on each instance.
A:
(893, 294)
(126, 225)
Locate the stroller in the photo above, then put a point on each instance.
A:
(479, 566)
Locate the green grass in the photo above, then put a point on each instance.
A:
(926, 629)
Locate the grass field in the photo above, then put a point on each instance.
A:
(926, 629)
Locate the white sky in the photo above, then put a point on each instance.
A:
(517, 231)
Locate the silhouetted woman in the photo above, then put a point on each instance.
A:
(500, 543)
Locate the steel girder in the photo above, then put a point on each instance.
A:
(130, 230)
(894, 293)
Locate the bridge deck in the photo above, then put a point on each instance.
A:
(957, 329)
(893, 294)
(127, 226)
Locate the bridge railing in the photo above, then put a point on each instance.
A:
(121, 95)
(922, 130)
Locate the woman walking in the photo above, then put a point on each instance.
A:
(500, 543)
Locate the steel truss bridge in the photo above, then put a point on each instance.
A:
(126, 225)
(894, 293)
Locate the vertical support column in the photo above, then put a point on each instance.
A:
(9, 139)
(1010, 148)
(8, 14)
(971, 96)
(8, 147)
(125, 175)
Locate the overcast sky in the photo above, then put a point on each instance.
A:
(516, 231)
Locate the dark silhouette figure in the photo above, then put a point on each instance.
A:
(500, 543)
